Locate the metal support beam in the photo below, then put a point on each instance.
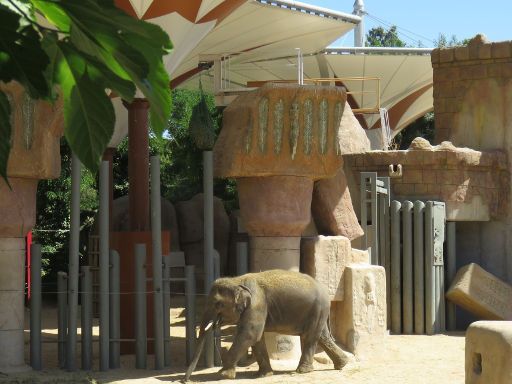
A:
(407, 268)
(86, 314)
(62, 318)
(242, 258)
(35, 307)
(156, 236)
(419, 270)
(114, 316)
(190, 308)
(167, 307)
(104, 266)
(73, 263)
(141, 338)
(396, 283)
(451, 265)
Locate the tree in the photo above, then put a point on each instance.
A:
(443, 42)
(90, 45)
(379, 37)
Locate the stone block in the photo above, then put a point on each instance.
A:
(434, 56)
(332, 208)
(500, 50)
(359, 321)
(461, 53)
(325, 258)
(446, 55)
(489, 352)
(481, 293)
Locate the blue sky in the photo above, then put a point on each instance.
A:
(428, 18)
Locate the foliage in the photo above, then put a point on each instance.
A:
(91, 45)
(443, 42)
(53, 212)
(379, 37)
(422, 127)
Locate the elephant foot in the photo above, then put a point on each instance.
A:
(265, 372)
(229, 373)
(304, 368)
(343, 360)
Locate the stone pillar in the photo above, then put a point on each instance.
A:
(35, 154)
(276, 141)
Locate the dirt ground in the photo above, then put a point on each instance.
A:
(406, 359)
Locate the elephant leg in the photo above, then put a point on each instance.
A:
(339, 357)
(308, 344)
(260, 352)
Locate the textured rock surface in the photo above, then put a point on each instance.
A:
(37, 128)
(325, 258)
(481, 293)
(359, 321)
(489, 352)
(275, 205)
(190, 222)
(352, 137)
(120, 219)
(281, 129)
(332, 208)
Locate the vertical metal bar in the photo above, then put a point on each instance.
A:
(396, 287)
(451, 266)
(382, 231)
(407, 268)
(35, 307)
(73, 263)
(216, 331)
(429, 271)
(141, 339)
(375, 226)
(114, 316)
(208, 243)
(104, 266)
(62, 322)
(156, 235)
(86, 314)
(190, 308)
(364, 209)
(437, 297)
(387, 249)
(442, 306)
(166, 287)
(419, 262)
(242, 261)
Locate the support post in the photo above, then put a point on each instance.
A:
(396, 287)
(208, 244)
(62, 321)
(359, 29)
(430, 316)
(419, 262)
(35, 307)
(104, 266)
(407, 268)
(86, 315)
(190, 308)
(73, 262)
(156, 236)
(141, 342)
(166, 284)
(114, 315)
(242, 259)
(451, 265)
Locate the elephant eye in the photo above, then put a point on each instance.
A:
(219, 304)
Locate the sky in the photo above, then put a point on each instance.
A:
(425, 19)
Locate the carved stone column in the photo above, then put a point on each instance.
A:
(35, 154)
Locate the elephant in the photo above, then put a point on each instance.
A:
(285, 302)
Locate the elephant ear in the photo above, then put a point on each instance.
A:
(242, 298)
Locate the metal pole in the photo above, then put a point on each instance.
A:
(429, 269)
(451, 266)
(141, 339)
(167, 307)
(359, 29)
(396, 312)
(407, 268)
(104, 266)
(74, 261)
(62, 322)
(190, 307)
(114, 316)
(86, 314)
(419, 262)
(242, 261)
(156, 236)
(387, 249)
(208, 243)
(35, 307)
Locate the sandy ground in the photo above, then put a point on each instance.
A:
(405, 359)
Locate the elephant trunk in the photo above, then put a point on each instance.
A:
(209, 321)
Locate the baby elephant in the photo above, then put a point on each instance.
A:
(279, 301)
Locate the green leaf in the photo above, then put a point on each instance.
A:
(5, 134)
(23, 58)
(88, 112)
(53, 13)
